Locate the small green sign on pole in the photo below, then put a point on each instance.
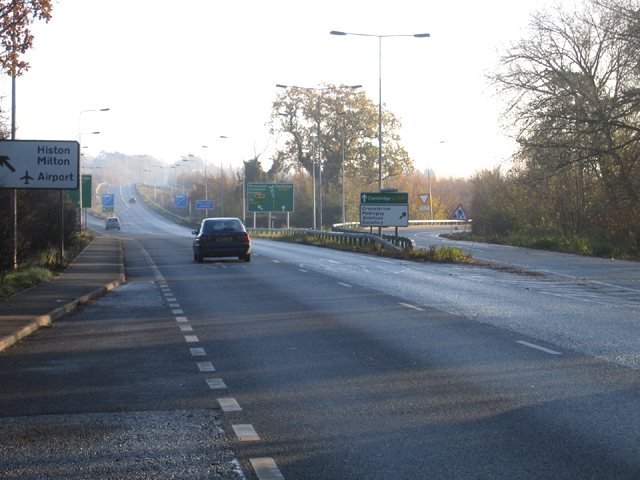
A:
(270, 197)
(74, 195)
(384, 198)
(384, 209)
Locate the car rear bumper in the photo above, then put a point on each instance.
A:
(223, 251)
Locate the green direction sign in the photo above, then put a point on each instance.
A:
(384, 198)
(270, 197)
(74, 195)
(384, 209)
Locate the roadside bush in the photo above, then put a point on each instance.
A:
(14, 282)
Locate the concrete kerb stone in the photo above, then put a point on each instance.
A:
(48, 319)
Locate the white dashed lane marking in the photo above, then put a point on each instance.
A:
(215, 383)
(266, 469)
(229, 405)
(206, 367)
(245, 432)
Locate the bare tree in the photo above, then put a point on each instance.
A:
(572, 89)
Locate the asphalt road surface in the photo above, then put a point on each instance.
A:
(316, 364)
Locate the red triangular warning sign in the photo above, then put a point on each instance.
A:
(459, 214)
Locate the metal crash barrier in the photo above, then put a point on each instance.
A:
(358, 239)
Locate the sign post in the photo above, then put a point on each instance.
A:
(270, 198)
(424, 207)
(40, 164)
(87, 193)
(180, 200)
(384, 209)
(459, 214)
(108, 203)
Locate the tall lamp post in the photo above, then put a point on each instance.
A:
(319, 90)
(80, 183)
(344, 134)
(194, 161)
(206, 187)
(380, 37)
(181, 174)
(430, 197)
(80, 159)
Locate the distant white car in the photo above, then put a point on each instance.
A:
(112, 222)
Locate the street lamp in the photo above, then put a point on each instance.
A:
(194, 161)
(319, 90)
(206, 186)
(206, 191)
(176, 178)
(430, 197)
(80, 159)
(344, 134)
(155, 181)
(417, 35)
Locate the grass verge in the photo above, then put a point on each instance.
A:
(443, 254)
(579, 246)
(41, 267)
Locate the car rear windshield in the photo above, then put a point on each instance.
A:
(222, 225)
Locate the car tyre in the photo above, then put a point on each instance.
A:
(246, 258)
(199, 258)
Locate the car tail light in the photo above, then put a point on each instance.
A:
(206, 238)
(243, 238)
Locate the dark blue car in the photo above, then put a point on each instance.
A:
(221, 237)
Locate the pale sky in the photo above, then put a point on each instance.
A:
(178, 75)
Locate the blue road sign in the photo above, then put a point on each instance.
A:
(108, 202)
(204, 204)
(180, 200)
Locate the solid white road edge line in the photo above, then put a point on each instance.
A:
(538, 347)
(412, 306)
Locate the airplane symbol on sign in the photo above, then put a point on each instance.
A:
(26, 177)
